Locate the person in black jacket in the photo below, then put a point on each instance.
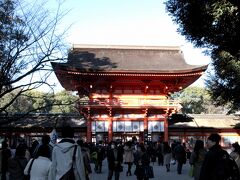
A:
(213, 160)
(16, 165)
(6, 154)
(180, 155)
(115, 159)
(143, 161)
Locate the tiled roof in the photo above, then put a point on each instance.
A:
(217, 121)
(129, 59)
(43, 120)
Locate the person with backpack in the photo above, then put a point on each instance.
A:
(218, 164)
(67, 158)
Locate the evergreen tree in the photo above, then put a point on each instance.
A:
(214, 25)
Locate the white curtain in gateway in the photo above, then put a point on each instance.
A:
(106, 123)
(128, 126)
(136, 126)
(120, 126)
(100, 126)
(154, 126)
(162, 126)
(93, 126)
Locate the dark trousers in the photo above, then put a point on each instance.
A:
(129, 168)
(110, 174)
(160, 159)
(179, 167)
(168, 167)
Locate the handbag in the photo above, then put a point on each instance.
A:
(149, 172)
(69, 175)
(190, 173)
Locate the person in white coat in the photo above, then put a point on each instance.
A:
(40, 168)
(62, 157)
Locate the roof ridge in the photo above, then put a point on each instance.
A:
(98, 46)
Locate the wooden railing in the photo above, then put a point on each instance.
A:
(130, 103)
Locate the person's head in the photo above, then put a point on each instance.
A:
(129, 143)
(80, 142)
(213, 139)
(113, 145)
(20, 150)
(199, 144)
(67, 132)
(46, 139)
(236, 147)
(44, 151)
(142, 147)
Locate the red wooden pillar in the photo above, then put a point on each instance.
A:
(89, 127)
(110, 129)
(89, 120)
(110, 120)
(166, 129)
(145, 126)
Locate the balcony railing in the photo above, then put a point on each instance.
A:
(130, 103)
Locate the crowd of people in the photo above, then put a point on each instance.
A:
(48, 161)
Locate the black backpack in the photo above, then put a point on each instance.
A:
(227, 168)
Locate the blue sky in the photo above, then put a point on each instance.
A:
(124, 22)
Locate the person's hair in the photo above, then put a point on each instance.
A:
(80, 142)
(4, 144)
(199, 144)
(20, 150)
(67, 132)
(215, 138)
(236, 147)
(44, 150)
(142, 147)
(129, 143)
(46, 139)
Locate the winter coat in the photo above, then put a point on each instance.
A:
(114, 164)
(143, 161)
(128, 154)
(236, 157)
(197, 162)
(16, 166)
(62, 160)
(210, 163)
(180, 154)
(40, 168)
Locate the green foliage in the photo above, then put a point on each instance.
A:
(40, 102)
(65, 103)
(196, 100)
(214, 25)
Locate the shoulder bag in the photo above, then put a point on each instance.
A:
(69, 175)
